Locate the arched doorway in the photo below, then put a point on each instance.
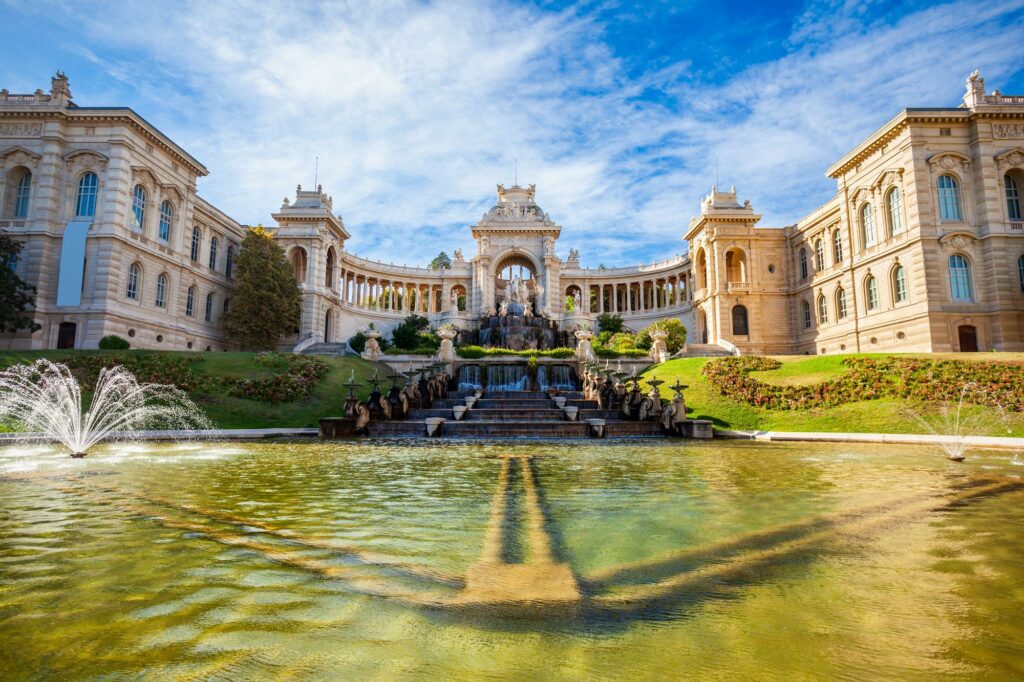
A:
(328, 331)
(702, 326)
(66, 333)
(968, 337)
(515, 283)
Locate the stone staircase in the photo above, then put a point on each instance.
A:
(703, 350)
(514, 414)
(322, 348)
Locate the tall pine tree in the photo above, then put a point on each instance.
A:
(15, 293)
(267, 303)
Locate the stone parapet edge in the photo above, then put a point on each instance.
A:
(888, 438)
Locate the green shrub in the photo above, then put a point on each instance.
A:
(675, 340)
(609, 322)
(422, 350)
(407, 334)
(114, 342)
(358, 342)
(603, 352)
(476, 352)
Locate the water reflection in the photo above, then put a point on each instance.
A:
(469, 560)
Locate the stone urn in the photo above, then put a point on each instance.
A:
(372, 350)
(584, 351)
(470, 400)
(659, 349)
(459, 412)
(596, 427)
(446, 353)
(434, 425)
(559, 401)
(571, 412)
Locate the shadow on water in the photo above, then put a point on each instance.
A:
(669, 587)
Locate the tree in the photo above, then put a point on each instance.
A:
(16, 295)
(609, 322)
(267, 303)
(409, 334)
(441, 261)
(675, 340)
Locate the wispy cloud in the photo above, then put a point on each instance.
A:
(416, 109)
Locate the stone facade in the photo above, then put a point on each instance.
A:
(921, 248)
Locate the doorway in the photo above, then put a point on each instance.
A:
(327, 327)
(968, 338)
(66, 335)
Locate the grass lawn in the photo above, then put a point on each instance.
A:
(229, 412)
(703, 401)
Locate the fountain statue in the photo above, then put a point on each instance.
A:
(45, 397)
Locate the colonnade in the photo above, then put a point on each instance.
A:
(374, 292)
(633, 297)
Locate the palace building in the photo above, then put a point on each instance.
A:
(920, 249)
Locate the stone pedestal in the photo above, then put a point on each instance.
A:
(446, 353)
(337, 427)
(584, 351)
(372, 350)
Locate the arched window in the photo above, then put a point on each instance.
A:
(190, 302)
(899, 283)
(209, 307)
(161, 291)
(166, 216)
(867, 225)
(822, 309)
(837, 246)
(139, 206)
(197, 238)
(803, 264)
(949, 199)
(740, 322)
(871, 292)
(213, 253)
(894, 202)
(1020, 271)
(85, 204)
(819, 255)
(1012, 197)
(132, 288)
(840, 303)
(960, 287)
(329, 269)
(22, 195)
(227, 305)
(229, 261)
(806, 310)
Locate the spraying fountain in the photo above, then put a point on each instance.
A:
(45, 397)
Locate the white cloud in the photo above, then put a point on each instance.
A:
(416, 110)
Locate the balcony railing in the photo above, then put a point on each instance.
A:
(1017, 226)
(738, 286)
(12, 224)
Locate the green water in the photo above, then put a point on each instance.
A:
(697, 561)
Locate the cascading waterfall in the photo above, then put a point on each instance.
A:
(507, 378)
(469, 378)
(45, 397)
(555, 376)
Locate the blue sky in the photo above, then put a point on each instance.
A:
(618, 111)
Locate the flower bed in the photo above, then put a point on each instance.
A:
(982, 383)
(303, 374)
(147, 368)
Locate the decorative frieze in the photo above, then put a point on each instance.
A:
(21, 129)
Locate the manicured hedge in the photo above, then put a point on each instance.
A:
(982, 383)
(475, 352)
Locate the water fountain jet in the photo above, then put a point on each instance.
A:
(46, 397)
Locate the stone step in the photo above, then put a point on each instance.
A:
(406, 428)
(703, 350)
(492, 429)
(326, 349)
(490, 404)
(515, 415)
(528, 395)
(627, 429)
